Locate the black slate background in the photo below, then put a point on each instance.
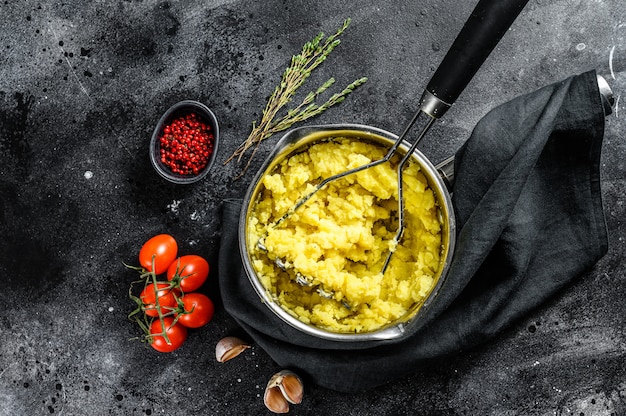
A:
(82, 85)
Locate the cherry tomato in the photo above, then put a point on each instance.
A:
(164, 249)
(167, 299)
(177, 335)
(191, 270)
(200, 310)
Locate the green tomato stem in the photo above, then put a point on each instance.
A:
(157, 303)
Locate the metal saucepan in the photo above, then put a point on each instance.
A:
(480, 34)
(300, 139)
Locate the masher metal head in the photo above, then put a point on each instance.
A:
(308, 280)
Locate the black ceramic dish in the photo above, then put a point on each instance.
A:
(180, 109)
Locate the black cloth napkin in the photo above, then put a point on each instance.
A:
(529, 219)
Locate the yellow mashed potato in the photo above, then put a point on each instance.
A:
(340, 238)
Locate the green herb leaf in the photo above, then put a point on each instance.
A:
(312, 55)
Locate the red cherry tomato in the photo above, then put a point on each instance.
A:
(177, 335)
(164, 249)
(200, 310)
(191, 271)
(167, 299)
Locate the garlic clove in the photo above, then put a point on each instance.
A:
(274, 400)
(228, 348)
(290, 385)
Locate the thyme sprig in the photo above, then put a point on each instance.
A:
(312, 55)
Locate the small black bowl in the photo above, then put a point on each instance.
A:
(178, 110)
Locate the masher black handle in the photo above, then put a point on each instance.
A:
(481, 33)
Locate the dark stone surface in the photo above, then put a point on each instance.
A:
(82, 85)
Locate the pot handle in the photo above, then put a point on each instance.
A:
(446, 172)
(481, 33)
(446, 167)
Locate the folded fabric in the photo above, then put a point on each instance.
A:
(530, 221)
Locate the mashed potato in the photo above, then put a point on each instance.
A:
(340, 238)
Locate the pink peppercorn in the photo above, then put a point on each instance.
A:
(186, 145)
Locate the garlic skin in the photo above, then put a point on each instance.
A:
(228, 348)
(284, 388)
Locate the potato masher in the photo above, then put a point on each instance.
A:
(480, 34)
